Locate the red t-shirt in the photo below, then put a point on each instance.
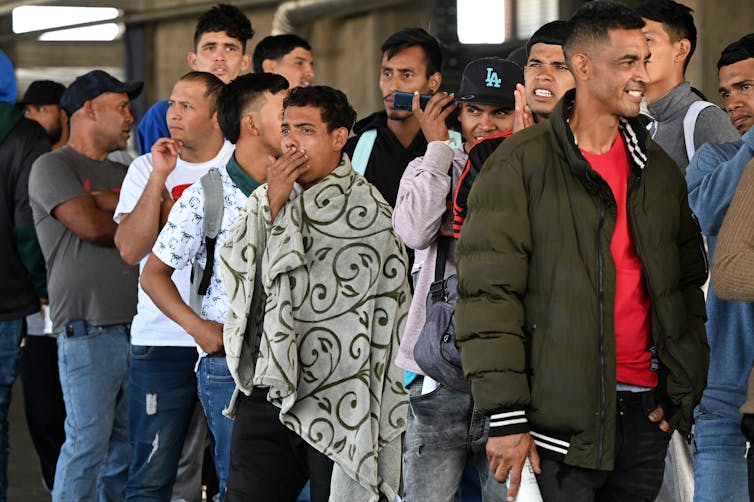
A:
(632, 305)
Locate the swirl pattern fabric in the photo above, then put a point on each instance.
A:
(335, 275)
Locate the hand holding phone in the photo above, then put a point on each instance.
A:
(433, 116)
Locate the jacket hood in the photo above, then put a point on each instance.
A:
(632, 128)
(8, 88)
(9, 117)
(373, 121)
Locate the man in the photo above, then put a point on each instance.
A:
(92, 291)
(43, 398)
(330, 263)
(712, 177)
(21, 263)
(287, 55)
(162, 382)
(432, 463)
(580, 318)
(411, 62)
(671, 35)
(41, 103)
(255, 102)
(546, 75)
(219, 48)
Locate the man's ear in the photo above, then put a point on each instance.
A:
(191, 59)
(339, 137)
(268, 65)
(435, 80)
(89, 109)
(682, 50)
(581, 66)
(249, 124)
(245, 62)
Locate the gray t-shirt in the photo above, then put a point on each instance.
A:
(84, 281)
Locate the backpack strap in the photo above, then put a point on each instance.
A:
(689, 124)
(363, 151)
(213, 217)
(455, 140)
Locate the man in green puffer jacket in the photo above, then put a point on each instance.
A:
(581, 316)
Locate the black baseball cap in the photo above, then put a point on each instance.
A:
(90, 85)
(490, 81)
(43, 92)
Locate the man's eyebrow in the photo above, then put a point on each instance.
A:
(385, 67)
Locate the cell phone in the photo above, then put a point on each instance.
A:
(77, 327)
(403, 100)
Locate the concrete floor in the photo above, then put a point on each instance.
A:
(24, 477)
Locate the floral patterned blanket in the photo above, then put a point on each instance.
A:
(335, 275)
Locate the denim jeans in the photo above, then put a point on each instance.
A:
(161, 398)
(93, 462)
(720, 470)
(10, 355)
(443, 434)
(216, 387)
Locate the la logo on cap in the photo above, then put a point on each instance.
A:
(492, 79)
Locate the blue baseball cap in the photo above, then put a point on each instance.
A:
(90, 85)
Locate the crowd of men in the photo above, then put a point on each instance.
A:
(256, 290)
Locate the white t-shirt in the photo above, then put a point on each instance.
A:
(151, 326)
(181, 240)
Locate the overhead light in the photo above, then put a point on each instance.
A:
(481, 21)
(98, 32)
(42, 17)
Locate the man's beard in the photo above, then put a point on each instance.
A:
(54, 134)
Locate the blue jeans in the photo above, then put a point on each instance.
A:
(161, 398)
(720, 470)
(443, 434)
(93, 462)
(10, 355)
(216, 387)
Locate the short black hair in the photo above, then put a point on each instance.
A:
(241, 92)
(411, 37)
(741, 49)
(676, 19)
(212, 86)
(227, 18)
(275, 47)
(552, 33)
(593, 21)
(336, 111)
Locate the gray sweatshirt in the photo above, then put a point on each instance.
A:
(712, 125)
(417, 216)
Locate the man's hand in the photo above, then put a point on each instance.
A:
(658, 416)
(165, 154)
(281, 174)
(524, 117)
(507, 455)
(209, 336)
(106, 200)
(432, 118)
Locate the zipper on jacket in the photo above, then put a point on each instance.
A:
(601, 296)
(648, 285)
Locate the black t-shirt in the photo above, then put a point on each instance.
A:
(388, 159)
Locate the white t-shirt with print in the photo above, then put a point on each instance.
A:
(181, 240)
(151, 326)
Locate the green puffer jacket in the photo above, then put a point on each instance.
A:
(534, 320)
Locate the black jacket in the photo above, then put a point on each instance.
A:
(21, 264)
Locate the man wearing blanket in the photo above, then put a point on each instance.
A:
(320, 397)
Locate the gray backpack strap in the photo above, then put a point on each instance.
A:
(689, 124)
(212, 186)
(363, 150)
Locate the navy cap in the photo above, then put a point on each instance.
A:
(43, 92)
(490, 81)
(90, 85)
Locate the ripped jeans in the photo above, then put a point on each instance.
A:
(161, 399)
